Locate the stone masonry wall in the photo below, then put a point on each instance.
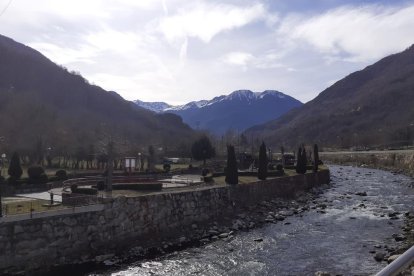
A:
(125, 222)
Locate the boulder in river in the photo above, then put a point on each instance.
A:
(392, 258)
(322, 273)
(379, 257)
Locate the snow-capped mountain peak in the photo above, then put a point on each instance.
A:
(153, 106)
(239, 110)
(190, 105)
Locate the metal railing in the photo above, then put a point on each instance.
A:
(40, 206)
(398, 264)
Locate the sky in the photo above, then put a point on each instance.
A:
(178, 51)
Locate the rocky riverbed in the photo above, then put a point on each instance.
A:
(353, 227)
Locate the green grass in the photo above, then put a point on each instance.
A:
(242, 180)
(16, 207)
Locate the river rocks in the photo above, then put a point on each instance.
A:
(393, 258)
(223, 235)
(286, 213)
(379, 257)
(361, 194)
(322, 273)
(102, 258)
(213, 232)
(393, 214)
(279, 217)
(238, 224)
(321, 205)
(399, 238)
(258, 240)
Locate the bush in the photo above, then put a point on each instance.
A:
(85, 191)
(61, 175)
(15, 170)
(167, 167)
(279, 168)
(37, 175)
(204, 172)
(73, 188)
(35, 172)
(100, 185)
(16, 181)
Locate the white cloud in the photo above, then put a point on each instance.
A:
(238, 58)
(204, 20)
(360, 33)
(65, 55)
(203, 48)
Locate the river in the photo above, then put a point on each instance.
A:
(337, 239)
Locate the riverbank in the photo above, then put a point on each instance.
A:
(395, 161)
(401, 162)
(144, 225)
(339, 230)
(275, 211)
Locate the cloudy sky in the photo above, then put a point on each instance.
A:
(179, 50)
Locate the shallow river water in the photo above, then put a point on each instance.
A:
(337, 241)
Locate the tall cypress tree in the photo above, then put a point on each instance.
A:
(315, 158)
(262, 172)
(15, 170)
(304, 160)
(231, 169)
(301, 160)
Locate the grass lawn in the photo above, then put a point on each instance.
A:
(248, 179)
(242, 180)
(16, 205)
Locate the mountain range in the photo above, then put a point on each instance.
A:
(371, 107)
(43, 105)
(237, 111)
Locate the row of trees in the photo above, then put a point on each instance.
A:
(231, 170)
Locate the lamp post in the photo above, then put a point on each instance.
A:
(3, 160)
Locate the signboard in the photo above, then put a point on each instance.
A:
(130, 162)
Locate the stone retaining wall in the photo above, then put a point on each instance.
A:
(131, 221)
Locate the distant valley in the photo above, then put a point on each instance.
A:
(237, 111)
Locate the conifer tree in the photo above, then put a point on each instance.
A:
(202, 149)
(231, 169)
(262, 171)
(15, 170)
(316, 158)
(301, 160)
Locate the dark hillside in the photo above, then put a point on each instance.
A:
(371, 107)
(41, 102)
